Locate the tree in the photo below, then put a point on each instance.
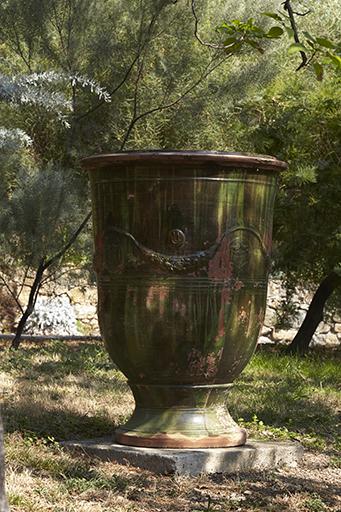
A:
(304, 130)
(40, 215)
(139, 61)
(323, 251)
(36, 229)
(308, 250)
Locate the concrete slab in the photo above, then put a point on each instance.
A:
(253, 455)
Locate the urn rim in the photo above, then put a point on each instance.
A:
(190, 157)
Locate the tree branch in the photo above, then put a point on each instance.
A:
(55, 258)
(125, 78)
(287, 7)
(37, 284)
(210, 45)
(14, 297)
(173, 103)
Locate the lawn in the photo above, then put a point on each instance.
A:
(58, 391)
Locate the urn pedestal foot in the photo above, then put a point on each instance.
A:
(180, 417)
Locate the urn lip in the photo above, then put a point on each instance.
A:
(220, 158)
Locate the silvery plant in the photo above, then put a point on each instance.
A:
(53, 316)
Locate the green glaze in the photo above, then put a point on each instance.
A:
(182, 245)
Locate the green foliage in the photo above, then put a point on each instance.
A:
(246, 33)
(86, 77)
(314, 48)
(90, 77)
(303, 129)
(39, 215)
(144, 56)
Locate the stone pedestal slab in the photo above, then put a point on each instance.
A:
(253, 455)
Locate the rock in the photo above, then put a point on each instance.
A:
(322, 328)
(266, 330)
(331, 340)
(284, 335)
(298, 319)
(85, 310)
(264, 340)
(270, 317)
(317, 340)
(76, 295)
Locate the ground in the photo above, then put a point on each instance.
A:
(314, 485)
(57, 391)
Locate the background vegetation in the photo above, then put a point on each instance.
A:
(84, 77)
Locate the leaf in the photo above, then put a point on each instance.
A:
(290, 31)
(297, 47)
(238, 24)
(233, 48)
(335, 59)
(251, 43)
(254, 45)
(256, 30)
(311, 44)
(275, 32)
(337, 270)
(230, 40)
(318, 71)
(325, 43)
(271, 15)
(309, 37)
(225, 28)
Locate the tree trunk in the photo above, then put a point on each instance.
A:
(37, 283)
(3, 498)
(30, 306)
(314, 315)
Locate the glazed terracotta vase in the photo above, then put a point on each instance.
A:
(182, 255)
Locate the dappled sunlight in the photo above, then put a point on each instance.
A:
(88, 399)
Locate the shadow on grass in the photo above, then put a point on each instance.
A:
(35, 421)
(302, 395)
(317, 494)
(58, 359)
(46, 378)
(278, 391)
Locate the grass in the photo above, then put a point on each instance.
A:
(61, 391)
(291, 398)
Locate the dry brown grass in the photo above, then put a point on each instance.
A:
(61, 392)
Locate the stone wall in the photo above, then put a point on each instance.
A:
(83, 299)
(328, 332)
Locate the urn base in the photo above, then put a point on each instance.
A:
(180, 417)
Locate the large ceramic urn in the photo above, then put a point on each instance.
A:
(182, 255)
